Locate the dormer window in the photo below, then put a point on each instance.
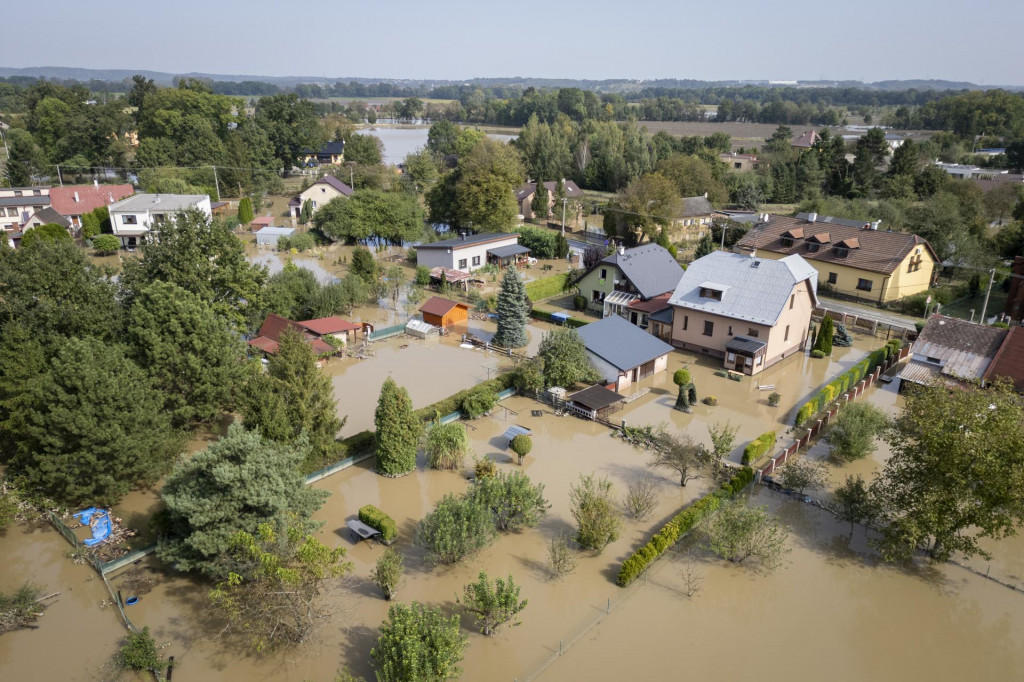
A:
(843, 248)
(713, 290)
(711, 293)
(841, 252)
(812, 247)
(789, 237)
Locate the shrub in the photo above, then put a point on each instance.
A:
(680, 524)
(561, 559)
(410, 256)
(596, 517)
(456, 529)
(521, 445)
(378, 520)
(140, 652)
(484, 468)
(492, 604)
(541, 241)
(681, 377)
(106, 244)
(710, 400)
(773, 399)
(453, 403)
(721, 373)
(758, 447)
(387, 574)
(579, 302)
(478, 403)
(641, 498)
(844, 382)
(735, 377)
(418, 643)
(824, 340)
(513, 499)
(422, 276)
(447, 445)
(817, 354)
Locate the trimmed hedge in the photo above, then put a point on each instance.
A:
(546, 287)
(453, 403)
(847, 380)
(375, 518)
(358, 443)
(681, 523)
(546, 317)
(759, 447)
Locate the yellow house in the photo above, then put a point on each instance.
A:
(853, 258)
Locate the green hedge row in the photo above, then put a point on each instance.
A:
(375, 518)
(546, 317)
(453, 403)
(847, 380)
(759, 447)
(546, 287)
(681, 523)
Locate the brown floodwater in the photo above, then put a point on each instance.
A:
(850, 618)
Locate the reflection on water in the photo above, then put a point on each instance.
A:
(400, 142)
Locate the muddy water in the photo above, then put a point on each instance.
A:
(829, 614)
(76, 638)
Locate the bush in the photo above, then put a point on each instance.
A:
(773, 399)
(299, 242)
(512, 498)
(817, 354)
(847, 380)
(478, 403)
(579, 302)
(358, 444)
(681, 377)
(542, 242)
(106, 244)
(447, 445)
(521, 445)
(387, 574)
(710, 400)
(456, 529)
(453, 403)
(378, 520)
(422, 276)
(596, 517)
(721, 373)
(140, 652)
(483, 468)
(758, 447)
(682, 523)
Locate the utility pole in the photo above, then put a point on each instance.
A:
(6, 148)
(723, 237)
(216, 182)
(984, 306)
(564, 199)
(59, 179)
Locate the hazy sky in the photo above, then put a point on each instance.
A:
(977, 40)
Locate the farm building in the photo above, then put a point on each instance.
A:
(268, 236)
(595, 402)
(622, 353)
(441, 312)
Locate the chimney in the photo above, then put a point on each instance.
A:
(76, 197)
(705, 195)
(96, 184)
(463, 235)
(874, 225)
(812, 217)
(622, 250)
(753, 253)
(867, 226)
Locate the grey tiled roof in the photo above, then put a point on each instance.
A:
(650, 268)
(25, 201)
(508, 250)
(744, 346)
(696, 206)
(622, 344)
(469, 240)
(759, 288)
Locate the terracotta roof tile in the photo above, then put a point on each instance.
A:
(440, 306)
(90, 197)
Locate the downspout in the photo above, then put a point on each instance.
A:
(881, 295)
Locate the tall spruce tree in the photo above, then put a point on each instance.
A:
(245, 214)
(398, 430)
(234, 485)
(295, 399)
(539, 204)
(89, 428)
(513, 311)
(190, 353)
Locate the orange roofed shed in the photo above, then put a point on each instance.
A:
(441, 312)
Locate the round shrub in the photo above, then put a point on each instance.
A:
(681, 377)
(819, 354)
(773, 399)
(579, 302)
(710, 400)
(521, 445)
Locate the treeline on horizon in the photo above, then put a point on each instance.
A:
(966, 112)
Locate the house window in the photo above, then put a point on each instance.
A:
(314, 204)
(597, 296)
(785, 337)
(752, 332)
(686, 322)
(864, 284)
(758, 359)
(13, 212)
(476, 260)
(792, 300)
(787, 241)
(711, 293)
(737, 165)
(462, 264)
(129, 220)
(18, 193)
(709, 328)
(730, 330)
(934, 361)
(731, 357)
(812, 247)
(833, 277)
(159, 217)
(37, 192)
(323, 190)
(604, 273)
(841, 252)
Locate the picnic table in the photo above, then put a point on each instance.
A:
(361, 530)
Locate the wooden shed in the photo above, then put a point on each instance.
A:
(441, 312)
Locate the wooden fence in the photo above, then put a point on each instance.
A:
(824, 418)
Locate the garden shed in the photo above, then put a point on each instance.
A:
(595, 402)
(268, 236)
(441, 312)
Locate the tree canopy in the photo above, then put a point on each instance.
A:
(565, 359)
(368, 215)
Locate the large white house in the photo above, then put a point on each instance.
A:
(132, 218)
(470, 252)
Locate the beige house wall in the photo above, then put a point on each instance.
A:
(320, 194)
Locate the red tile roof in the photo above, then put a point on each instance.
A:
(90, 197)
(1009, 361)
(330, 325)
(263, 220)
(270, 334)
(652, 305)
(440, 306)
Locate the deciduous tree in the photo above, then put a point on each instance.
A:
(512, 498)
(593, 507)
(492, 604)
(456, 529)
(565, 359)
(852, 435)
(739, 532)
(418, 643)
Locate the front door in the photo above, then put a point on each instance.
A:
(740, 361)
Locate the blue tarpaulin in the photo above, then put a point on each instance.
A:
(98, 520)
(560, 317)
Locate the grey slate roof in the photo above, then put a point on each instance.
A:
(596, 397)
(744, 346)
(964, 349)
(696, 206)
(664, 316)
(650, 268)
(469, 239)
(759, 288)
(50, 215)
(336, 184)
(157, 202)
(621, 344)
(25, 201)
(508, 251)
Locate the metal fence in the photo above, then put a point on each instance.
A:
(384, 332)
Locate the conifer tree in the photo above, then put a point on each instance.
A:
(398, 430)
(513, 311)
(245, 214)
(539, 204)
(824, 340)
